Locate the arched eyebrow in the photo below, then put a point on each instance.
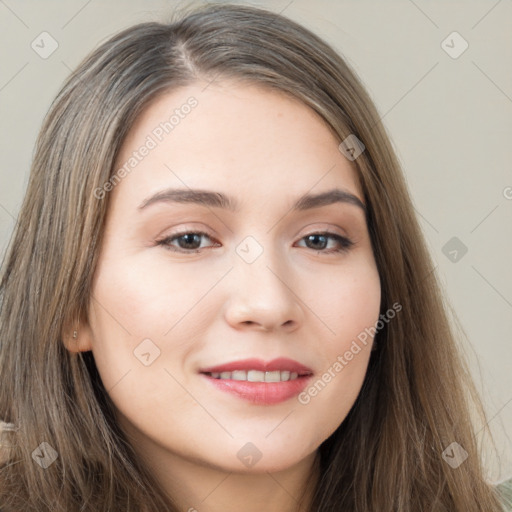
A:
(213, 199)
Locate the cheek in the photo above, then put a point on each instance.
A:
(136, 348)
(146, 306)
(126, 312)
(346, 299)
(351, 308)
(354, 313)
(141, 297)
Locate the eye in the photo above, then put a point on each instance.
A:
(319, 242)
(190, 242)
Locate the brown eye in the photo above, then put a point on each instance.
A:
(320, 241)
(188, 241)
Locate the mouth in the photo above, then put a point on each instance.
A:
(256, 375)
(259, 382)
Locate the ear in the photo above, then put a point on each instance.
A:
(77, 336)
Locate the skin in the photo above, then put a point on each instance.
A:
(265, 149)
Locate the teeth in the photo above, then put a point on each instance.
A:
(286, 376)
(256, 375)
(273, 376)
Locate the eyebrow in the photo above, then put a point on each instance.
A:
(218, 200)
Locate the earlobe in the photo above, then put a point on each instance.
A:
(77, 338)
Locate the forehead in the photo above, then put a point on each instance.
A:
(243, 139)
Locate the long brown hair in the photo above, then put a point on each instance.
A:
(417, 395)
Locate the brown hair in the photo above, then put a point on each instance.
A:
(416, 397)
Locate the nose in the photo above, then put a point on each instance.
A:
(262, 297)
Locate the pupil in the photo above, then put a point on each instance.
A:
(189, 238)
(318, 236)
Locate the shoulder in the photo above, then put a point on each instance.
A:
(6, 439)
(505, 489)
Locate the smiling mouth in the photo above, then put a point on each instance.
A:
(257, 375)
(257, 381)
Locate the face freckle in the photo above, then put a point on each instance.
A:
(266, 291)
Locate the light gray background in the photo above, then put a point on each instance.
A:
(450, 120)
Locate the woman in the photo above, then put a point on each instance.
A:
(246, 315)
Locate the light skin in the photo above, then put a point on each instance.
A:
(205, 308)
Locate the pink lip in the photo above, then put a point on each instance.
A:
(281, 364)
(261, 393)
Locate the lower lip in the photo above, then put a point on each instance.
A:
(261, 393)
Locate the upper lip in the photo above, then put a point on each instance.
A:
(279, 364)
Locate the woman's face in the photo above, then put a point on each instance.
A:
(264, 281)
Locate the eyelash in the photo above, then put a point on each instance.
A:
(344, 242)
